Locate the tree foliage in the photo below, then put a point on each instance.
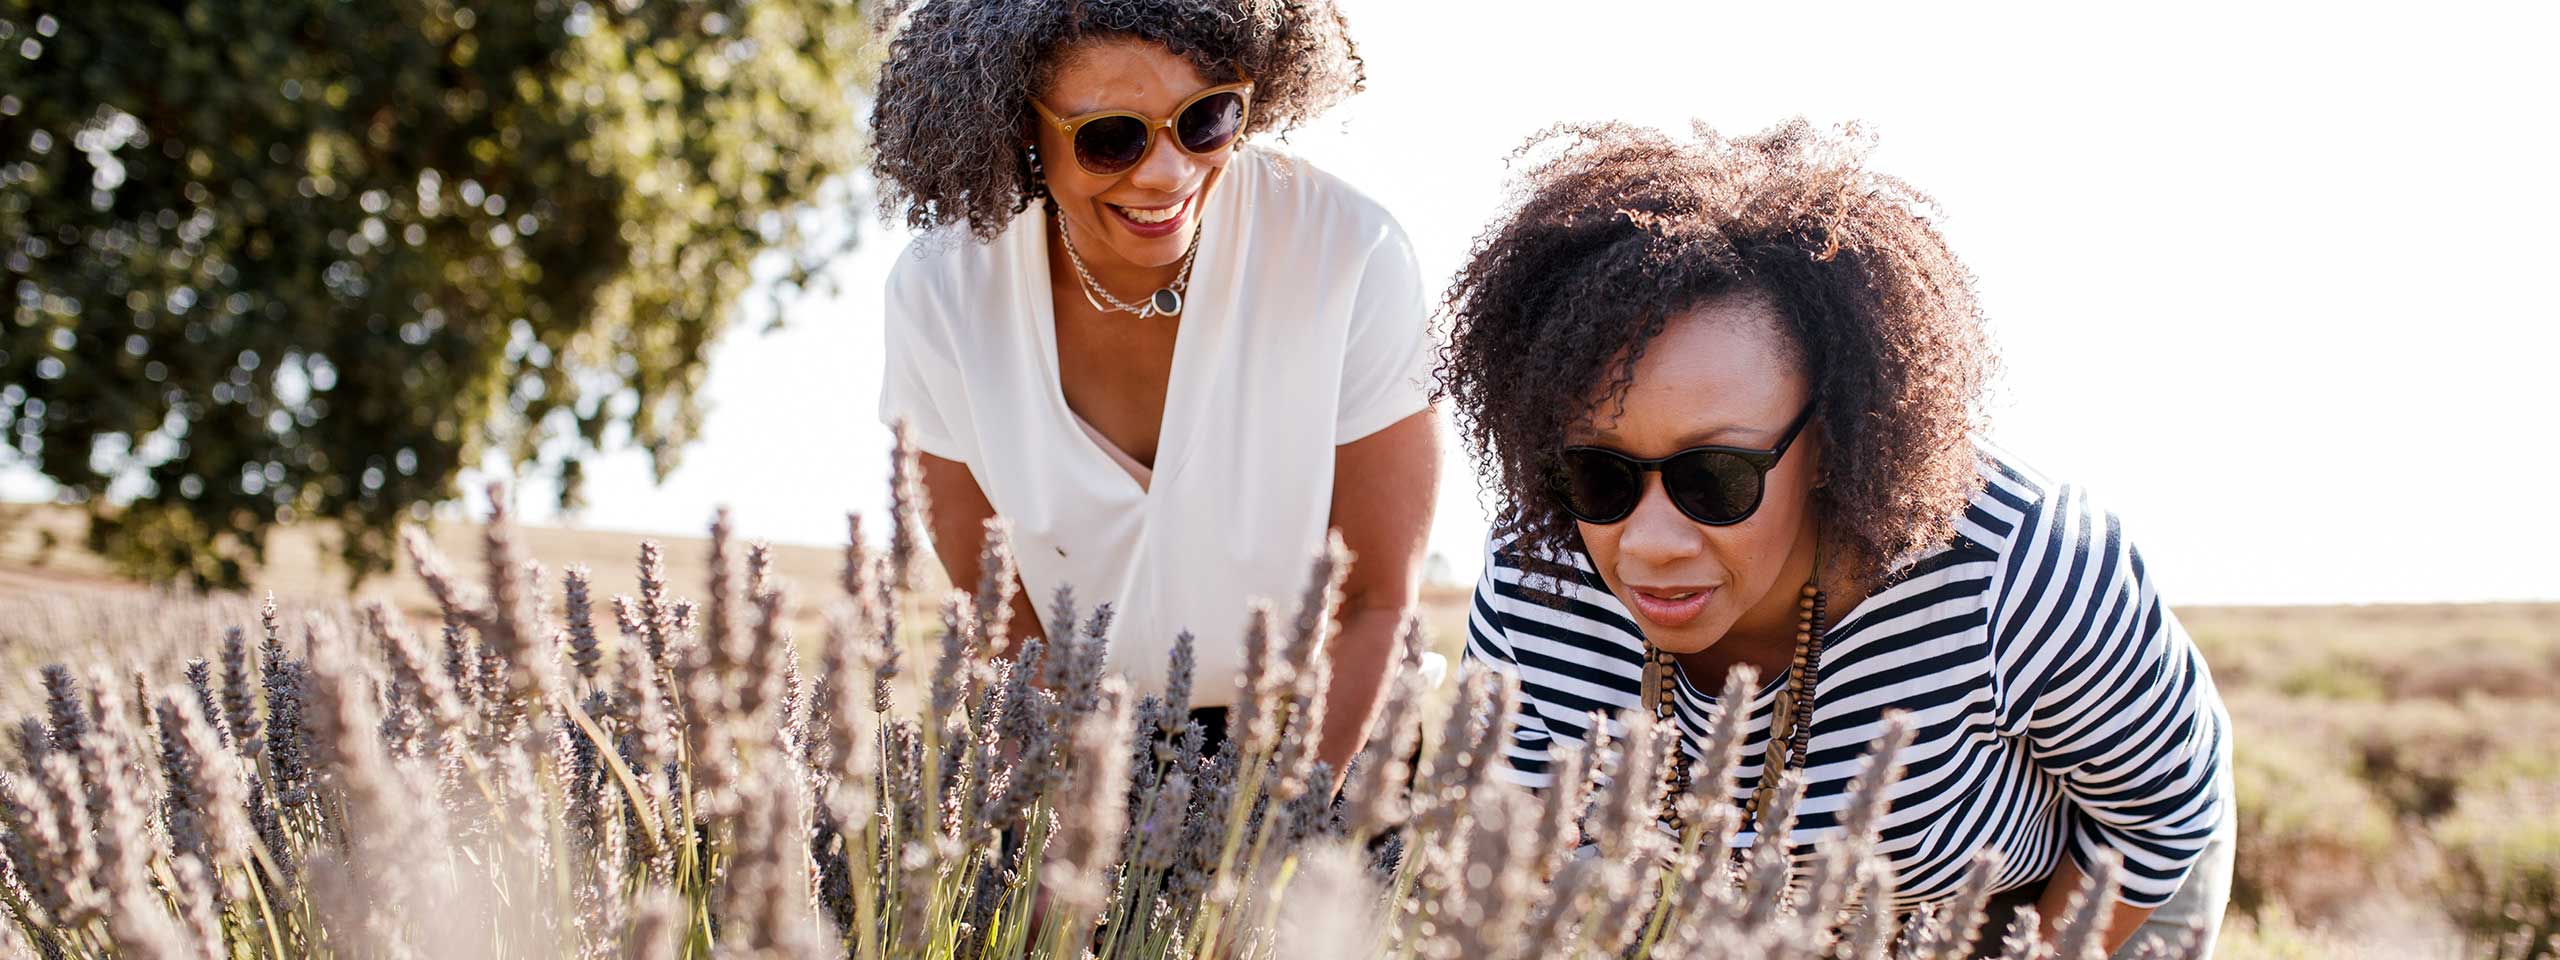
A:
(283, 260)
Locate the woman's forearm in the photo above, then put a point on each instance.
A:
(2055, 904)
(1383, 487)
(958, 517)
(1362, 654)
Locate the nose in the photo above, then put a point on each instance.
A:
(1165, 168)
(1657, 535)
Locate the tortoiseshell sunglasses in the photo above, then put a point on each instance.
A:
(1109, 142)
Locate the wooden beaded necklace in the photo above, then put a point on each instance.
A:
(1790, 721)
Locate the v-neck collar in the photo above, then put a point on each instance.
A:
(1204, 304)
(1140, 472)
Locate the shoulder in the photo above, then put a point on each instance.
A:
(2051, 545)
(941, 252)
(946, 277)
(1552, 588)
(2009, 499)
(2030, 517)
(1291, 192)
(2071, 600)
(1516, 559)
(2067, 567)
(2013, 496)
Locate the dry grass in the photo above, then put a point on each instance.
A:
(2400, 796)
(2385, 652)
(302, 566)
(2399, 788)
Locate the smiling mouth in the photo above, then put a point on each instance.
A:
(1152, 215)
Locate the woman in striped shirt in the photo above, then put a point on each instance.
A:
(1730, 389)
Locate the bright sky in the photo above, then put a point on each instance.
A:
(2270, 279)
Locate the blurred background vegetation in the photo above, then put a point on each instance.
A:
(306, 260)
(2397, 775)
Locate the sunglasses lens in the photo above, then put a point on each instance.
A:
(1711, 487)
(1211, 122)
(1599, 488)
(1111, 144)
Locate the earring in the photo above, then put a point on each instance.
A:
(1038, 173)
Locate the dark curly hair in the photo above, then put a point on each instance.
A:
(1616, 229)
(954, 97)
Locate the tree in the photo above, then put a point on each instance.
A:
(281, 260)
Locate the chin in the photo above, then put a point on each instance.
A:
(1691, 637)
(1151, 251)
(1687, 639)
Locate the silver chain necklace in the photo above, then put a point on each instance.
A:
(1164, 302)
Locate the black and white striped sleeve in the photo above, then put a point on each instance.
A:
(2110, 695)
(1489, 644)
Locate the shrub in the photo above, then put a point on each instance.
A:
(2311, 837)
(2502, 843)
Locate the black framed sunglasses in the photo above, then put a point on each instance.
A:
(1109, 142)
(1716, 486)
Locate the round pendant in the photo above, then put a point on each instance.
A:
(1167, 302)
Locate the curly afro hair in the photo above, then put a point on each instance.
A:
(954, 97)
(1616, 229)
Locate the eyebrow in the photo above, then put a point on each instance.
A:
(1731, 434)
(1185, 98)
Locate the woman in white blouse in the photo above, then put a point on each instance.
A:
(1171, 358)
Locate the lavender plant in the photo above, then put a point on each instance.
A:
(533, 786)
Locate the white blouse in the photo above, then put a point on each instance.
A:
(1303, 328)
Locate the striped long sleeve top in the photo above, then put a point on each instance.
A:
(2059, 708)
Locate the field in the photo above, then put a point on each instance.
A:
(2398, 777)
(2397, 770)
